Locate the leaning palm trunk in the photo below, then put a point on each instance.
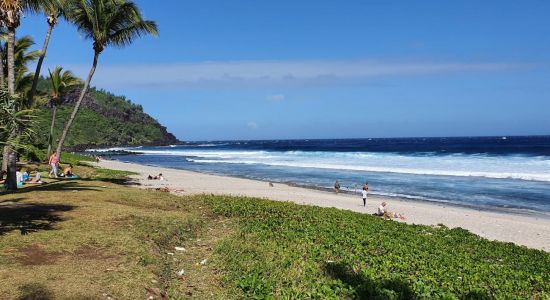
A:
(39, 65)
(50, 138)
(77, 105)
(9, 154)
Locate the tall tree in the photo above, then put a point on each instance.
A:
(53, 9)
(3, 39)
(10, 17)
(108, 23)
(62, 82)
(22, 57)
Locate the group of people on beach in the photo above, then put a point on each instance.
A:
(382, 209)
(157, 177)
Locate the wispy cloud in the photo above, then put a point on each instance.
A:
(276, 98)
(262, 74)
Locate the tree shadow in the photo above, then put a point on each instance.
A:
(29, 217)
(118, 181)
(11, 201)
(367, 288)
(34, 291)
(57, 186)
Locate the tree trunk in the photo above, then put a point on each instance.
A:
(5, 154)
(39, 66)
(50, 138)
(11, 157)
(11, 60)
(2, 74)
(77, 105)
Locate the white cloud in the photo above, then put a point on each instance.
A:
(262, 74)
(252, 125)
(276, 98)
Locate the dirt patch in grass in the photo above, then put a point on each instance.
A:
(35, 255)
(91, 252)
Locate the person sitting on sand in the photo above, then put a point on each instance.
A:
(337, 186)
(383, 212)
(159, 177)
(149, 177)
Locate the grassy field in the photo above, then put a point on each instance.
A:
(96, 238)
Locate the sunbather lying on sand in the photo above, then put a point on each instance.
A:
(383, 212)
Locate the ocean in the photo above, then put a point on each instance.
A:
(504, 173)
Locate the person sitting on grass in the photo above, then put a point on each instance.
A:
(37, 179)
(384, 212)
(68, 171)
(19, 177)
(25, 176)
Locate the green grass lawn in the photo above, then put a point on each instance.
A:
(94, 238)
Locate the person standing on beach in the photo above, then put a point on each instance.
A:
(53, 163)
(365, 196)
(337, 186)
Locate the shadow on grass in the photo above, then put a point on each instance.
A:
(367, 288)
(119, 181)
(34, 291)
(11, 201)
(62, 185)
(28, 218)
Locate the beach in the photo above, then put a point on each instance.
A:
(531, 230)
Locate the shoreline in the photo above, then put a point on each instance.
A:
(522, 228)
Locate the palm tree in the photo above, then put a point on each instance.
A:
(53, 10)
(3, 38)
(13, 118)
(10, 17)
(108, 23)
(62, 82)
(22, 58)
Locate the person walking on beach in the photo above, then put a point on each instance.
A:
(337, 187)
(365, 196)
(53, 163)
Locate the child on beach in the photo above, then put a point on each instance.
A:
(365, 196)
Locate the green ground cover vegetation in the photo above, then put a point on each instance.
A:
(120, 242)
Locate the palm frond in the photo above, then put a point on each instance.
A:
(110, 22)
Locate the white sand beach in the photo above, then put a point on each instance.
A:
(523, 229)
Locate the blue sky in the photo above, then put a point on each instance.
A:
(328, 69)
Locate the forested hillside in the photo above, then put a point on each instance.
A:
(103, 120)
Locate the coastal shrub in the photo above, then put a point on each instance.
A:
(284, 250)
